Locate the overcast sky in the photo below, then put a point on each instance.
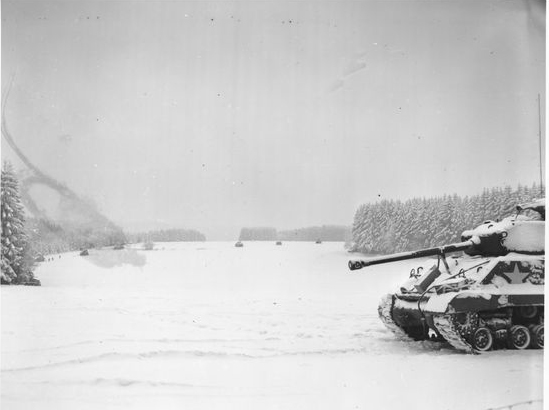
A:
(222, 114)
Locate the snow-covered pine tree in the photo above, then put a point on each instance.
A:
(366, 239)
(456, 219)
(442, 215)
(401, 218)
(358, 228)
(414, 231)
(16, 263)
(508, 204)
(430, 221)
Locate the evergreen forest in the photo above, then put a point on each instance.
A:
(47, 236)
(390, 226)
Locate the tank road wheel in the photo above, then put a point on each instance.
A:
(519, 337)
(537, 336)
(528, 312)
(483, 339)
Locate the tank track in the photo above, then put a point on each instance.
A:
(453, 332)
(384, 310)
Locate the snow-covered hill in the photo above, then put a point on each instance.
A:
(211, 326)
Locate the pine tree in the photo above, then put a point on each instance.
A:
(16, 263)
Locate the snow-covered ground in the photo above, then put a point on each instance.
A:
(211, 326)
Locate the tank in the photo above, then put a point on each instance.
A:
(485, 292)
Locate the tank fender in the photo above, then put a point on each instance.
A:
(478, 301)
(453, 302)
(440, 303)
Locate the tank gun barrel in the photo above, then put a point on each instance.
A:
(440, 250)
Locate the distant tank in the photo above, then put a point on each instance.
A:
(488, 298)
(239, 244)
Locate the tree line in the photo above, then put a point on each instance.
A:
(167, 235)
(47, 236)
(258, 234)
(390, 226)
(334, 233)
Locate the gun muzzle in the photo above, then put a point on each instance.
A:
(355, 264)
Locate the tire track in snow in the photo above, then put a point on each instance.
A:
(125, 356)
(133, 341)
(118, 381)
(390, 347)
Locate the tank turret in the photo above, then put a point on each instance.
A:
(491, 296)
(518, 233)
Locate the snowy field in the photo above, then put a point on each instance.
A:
(211, 326)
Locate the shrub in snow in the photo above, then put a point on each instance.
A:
(148, 246)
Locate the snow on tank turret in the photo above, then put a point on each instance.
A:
(491, 297)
